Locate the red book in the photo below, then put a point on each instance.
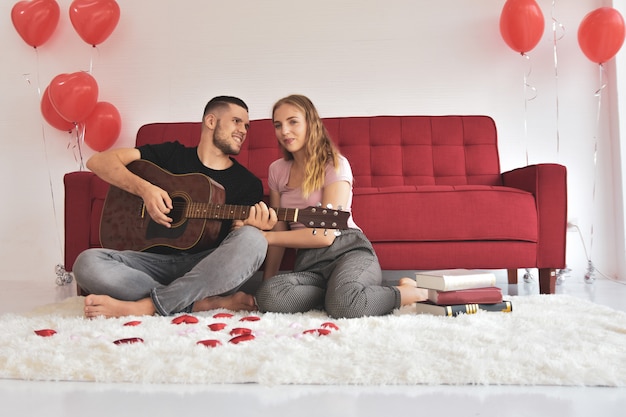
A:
(486, 295)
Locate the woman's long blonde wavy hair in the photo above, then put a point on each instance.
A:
(319, 148)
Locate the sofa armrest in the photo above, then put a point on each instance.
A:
(78, 214)
(548, 183)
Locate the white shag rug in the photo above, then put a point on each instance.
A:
(546, 340)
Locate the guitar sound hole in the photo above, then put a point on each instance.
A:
(178, 212)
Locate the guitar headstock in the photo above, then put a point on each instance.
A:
(323, 218)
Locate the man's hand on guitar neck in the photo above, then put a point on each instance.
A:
(261, 217)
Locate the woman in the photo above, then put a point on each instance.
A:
(338, 272)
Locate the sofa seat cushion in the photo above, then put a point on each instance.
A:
(446, 213)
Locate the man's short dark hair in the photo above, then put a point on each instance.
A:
(223, 101)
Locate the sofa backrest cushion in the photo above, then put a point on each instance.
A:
(384, 151)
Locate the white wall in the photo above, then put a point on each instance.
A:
(620, 155)
(165, 59)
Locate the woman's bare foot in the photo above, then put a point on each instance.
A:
(239, 301)
(105, 306)
(410, 293)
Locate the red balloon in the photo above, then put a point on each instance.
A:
(51, 116)
(36, 20)
(521, 24)
(74, 96)
(94, 20)
(102, 127)
(601, 34)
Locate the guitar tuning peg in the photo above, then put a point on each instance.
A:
(319, 204)
(314, 232)
(325, 232)
(329, 206)
(339, 208)
(337, 233)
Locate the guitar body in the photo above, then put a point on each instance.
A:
(125, 224)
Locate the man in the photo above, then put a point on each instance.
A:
(124, 283)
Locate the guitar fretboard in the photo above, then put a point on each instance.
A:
(232, 212)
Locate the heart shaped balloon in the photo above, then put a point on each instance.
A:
(50, 114)
(94, 20)
(74, 96)
(35, 20)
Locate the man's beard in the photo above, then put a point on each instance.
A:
(222, 141)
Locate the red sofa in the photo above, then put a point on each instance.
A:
(428, 192)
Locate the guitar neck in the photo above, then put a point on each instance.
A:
(233, 212)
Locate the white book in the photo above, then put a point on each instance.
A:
(454, 279)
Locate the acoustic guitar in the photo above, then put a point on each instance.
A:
(198, 209)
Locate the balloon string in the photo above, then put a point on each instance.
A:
(38, 84)
(598, 94)
(555, 24)
(28, 74)
(96, 52)
(78, 153)
(45, 151)
(54, 210)
(526, 100)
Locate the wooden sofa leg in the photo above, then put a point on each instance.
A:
(547, 281)
(80, 291)
(512, 275)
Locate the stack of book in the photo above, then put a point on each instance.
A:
(460, 291)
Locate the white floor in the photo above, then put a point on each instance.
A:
(71, 399)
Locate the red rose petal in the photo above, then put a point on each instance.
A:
(238, 331)
(133, 323)
(185, 318)
(128, 341)
(320, 332)
(241, 338)
(250, 318)
(45, 332)
(222, 316)
(217, 326)
(329, 325)
(210, 343)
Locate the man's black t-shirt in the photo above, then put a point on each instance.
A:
(241, 186)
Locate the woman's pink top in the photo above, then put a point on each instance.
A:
(292, 197)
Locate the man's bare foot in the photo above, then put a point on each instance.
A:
(410, 293)
(239, 301)
(105, 306)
